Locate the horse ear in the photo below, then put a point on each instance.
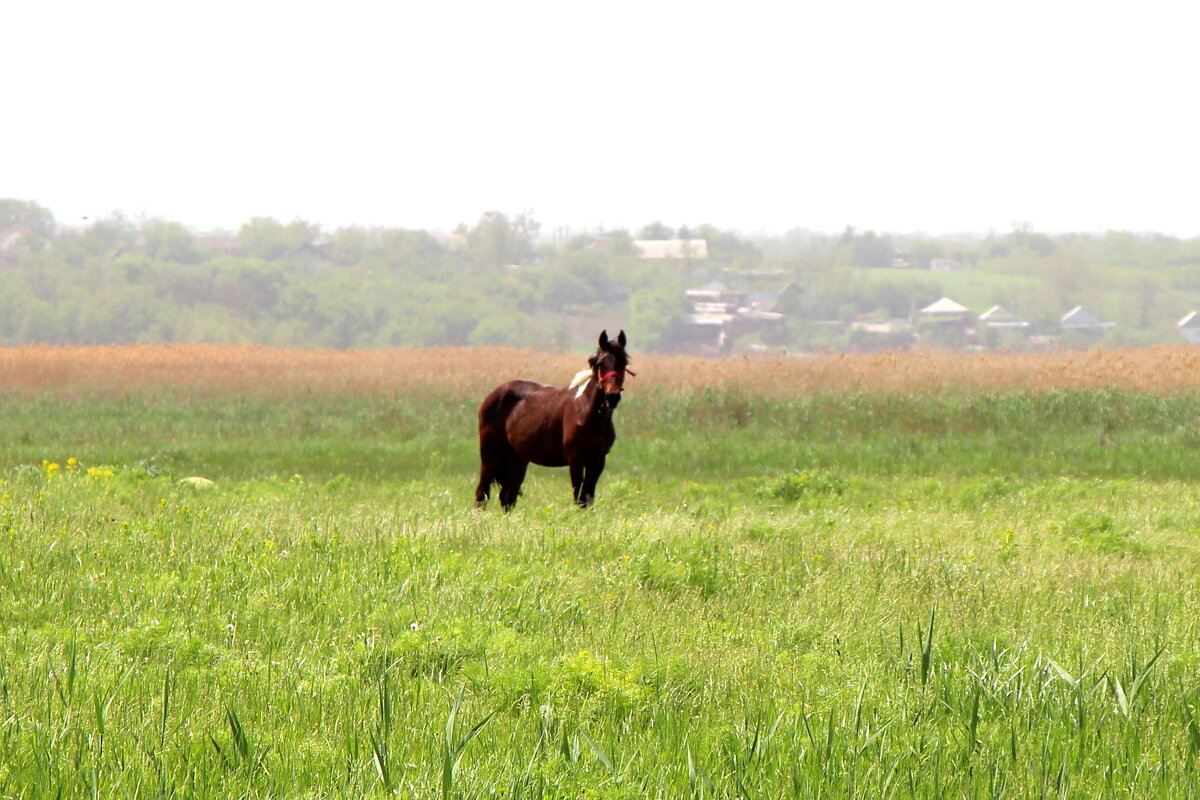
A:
(604, 339)
(621, 338)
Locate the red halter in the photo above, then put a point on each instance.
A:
(613, 374)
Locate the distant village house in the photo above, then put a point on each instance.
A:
(16, 241)
(1080, 320)
(228, 246)
(945, 310)
(1189, 328)
(999, 327)
(945, 323)
(719, 314)
(1000, 318)
(671, 249)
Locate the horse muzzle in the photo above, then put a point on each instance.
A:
(612, 384)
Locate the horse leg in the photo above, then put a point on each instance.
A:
(591, 475)
(510, 483)
(576, 470)
(487, 476)
(491, 466)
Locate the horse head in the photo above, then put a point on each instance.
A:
(609, 366)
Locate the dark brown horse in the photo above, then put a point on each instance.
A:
(523, 422)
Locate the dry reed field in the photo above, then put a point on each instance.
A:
(205, 368)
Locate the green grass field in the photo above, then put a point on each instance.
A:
(851, 595)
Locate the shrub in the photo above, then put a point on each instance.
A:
(799, 485)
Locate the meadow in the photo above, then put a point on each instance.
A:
(247, 572)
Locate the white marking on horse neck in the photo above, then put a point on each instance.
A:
(580, 381)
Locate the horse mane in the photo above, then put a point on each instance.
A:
(580, 381)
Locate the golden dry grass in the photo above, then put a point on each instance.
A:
(469, 371)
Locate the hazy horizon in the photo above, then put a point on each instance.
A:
(931, 117)
(550, 231)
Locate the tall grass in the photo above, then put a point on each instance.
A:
(944, 593)
(674, 434)
(465, 372)
(899, 638)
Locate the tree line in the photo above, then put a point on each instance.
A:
(500, 280)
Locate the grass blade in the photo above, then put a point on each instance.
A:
(1143, 674)
(1119, 692)
(927, 647)
(1066, 676)
(600, 754)
(454, 749)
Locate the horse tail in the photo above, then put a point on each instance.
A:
(493, 444)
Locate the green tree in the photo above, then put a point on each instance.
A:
(922, 251)
(118, 315)
(352, 245)
(1147, 289)
(938, 333)
(415, 254)
(266, 238)
(512, 329)
(866, 250)
(560, 287)
(170, 241)
(659, 316)
(656, 230)
(436, 321)
(28, 213)
(497, 241)
(39, 322)
(249, 286)
(727, 248)
(1023, 237)
(13, 302)
(1071, 278)
(116, 230)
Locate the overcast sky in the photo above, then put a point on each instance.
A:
(931, 116)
